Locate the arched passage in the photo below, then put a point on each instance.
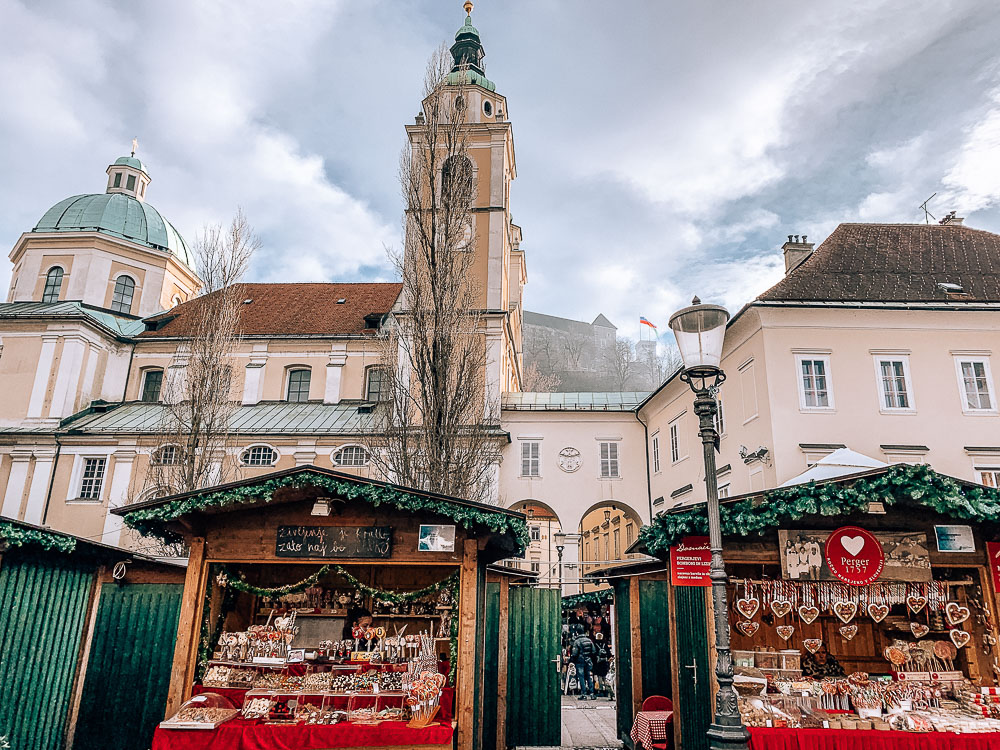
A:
(606, 530)
(542, 554)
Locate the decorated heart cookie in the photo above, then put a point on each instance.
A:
(785, 631)
(956, 613)
(781, 607)
(808, 614)
(916, 603)
(845, 610)
(813, 644)
(960, 637)
(848, 631)
(878, 611)
(747, 607)
(749, 629)
(918, 629)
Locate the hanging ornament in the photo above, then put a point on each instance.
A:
(748, 628)
(960, 637)
(878, 612)
(918, 629)
(785, 631)
(848, 631)
(781, 607)
(916, 603)
(845, 610)
(813, 644)
(222, 579)
(956, 613)
(808, 613)
(747, 607)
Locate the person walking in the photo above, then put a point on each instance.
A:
(582, 653)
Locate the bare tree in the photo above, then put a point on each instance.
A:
(538, 381)
(431, 432)
(194, 432)
(619, 362)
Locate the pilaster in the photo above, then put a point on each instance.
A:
(121, 477)
(43, 372)
(334, 373)
(20, 463)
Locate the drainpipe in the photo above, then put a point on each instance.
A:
(52, 480)
(649, 481)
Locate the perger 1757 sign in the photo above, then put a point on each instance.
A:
(854, 555)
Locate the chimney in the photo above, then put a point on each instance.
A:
(796, 250)
(952, 220)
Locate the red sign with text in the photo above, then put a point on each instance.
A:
(854, 555)
(690, 562)
(993, 553)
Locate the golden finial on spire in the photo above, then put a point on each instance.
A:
(135, 145)
(468, 7)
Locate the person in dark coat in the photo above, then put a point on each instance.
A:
(582, 653)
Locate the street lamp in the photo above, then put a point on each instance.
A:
(700, 331)
(560, 546)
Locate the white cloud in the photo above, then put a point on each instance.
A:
(974, 180)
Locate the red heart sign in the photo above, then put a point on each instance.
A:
(854, 556)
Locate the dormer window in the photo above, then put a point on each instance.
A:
(53, 283)
(118, 179)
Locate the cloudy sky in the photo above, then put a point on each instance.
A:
(663, 149)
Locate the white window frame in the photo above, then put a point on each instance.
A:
(719, 420)
(135, 290)
(990, 390)
(277, 456)
(678, 445)
(289, 371)
(613, 463)
(534, 462)
(78, 479)
(827, 374)
(341, 448)
(656, 453)
(156, 455)
(724, 490)
(993, 469)
(535, 532)
(911, 408)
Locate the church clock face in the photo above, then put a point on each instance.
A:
(570, 460)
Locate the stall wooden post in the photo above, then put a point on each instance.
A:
(465, 689)
(635, 627)
(188, 628)
(502, 663)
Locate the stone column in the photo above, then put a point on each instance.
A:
(43, 371)
(20, 463)
(334, 372)
(68, 379)
(39, 489)
(89, 373)
(571, 565)
(121, 477)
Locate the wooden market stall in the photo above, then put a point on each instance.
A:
(864, 608)
(320, 606)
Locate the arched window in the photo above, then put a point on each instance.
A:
(456, 181)
(259, 455)
(376, 389)
(121, 300)
(298, 385)
(53, 283)
(152, 384)
(351, 455)
(167, 455)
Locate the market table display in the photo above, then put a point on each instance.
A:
(762, 738)
(650, 727)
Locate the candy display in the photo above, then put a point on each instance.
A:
(205, 711)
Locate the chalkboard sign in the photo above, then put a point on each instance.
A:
(334, 541)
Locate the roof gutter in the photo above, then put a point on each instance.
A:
(649, 479)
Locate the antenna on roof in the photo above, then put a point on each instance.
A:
(927, 214)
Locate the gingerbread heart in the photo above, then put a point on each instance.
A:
(781, 607)
(808, 614)
(845, 610)
(916, 603)
(960, 637)
(785, 631)
(749, 629)
(747, 607)
(848, 631)
(956, 613)
(878, 611)
(919, 629)
(813, 644)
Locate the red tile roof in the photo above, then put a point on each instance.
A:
(293, 309)
(896, 263)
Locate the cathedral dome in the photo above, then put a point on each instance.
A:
(120, 212)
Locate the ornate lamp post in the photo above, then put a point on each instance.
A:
(700, 331)
(560, 546)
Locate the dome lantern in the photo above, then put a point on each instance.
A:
(128, 175)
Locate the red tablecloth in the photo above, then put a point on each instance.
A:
(237, 734)
(447, 713)
(867, 739)
(650, 727)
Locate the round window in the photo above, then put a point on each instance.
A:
(488, 108)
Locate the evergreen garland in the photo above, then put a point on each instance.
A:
(901, 483)
(237, 582)
(604, 596)
(18, 536)
(149, 521)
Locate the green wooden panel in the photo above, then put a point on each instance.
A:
(654, 620)
(491, 666)
(43, 608)
(623, 658)
(694, 703)
(477, 694)
(132, 649)
(533, 708)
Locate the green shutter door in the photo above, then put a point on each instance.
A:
(491, 666)
(43, 607)
(654, 633)
(623, 658)
(532, 677)
(132, 649)
(693, 701)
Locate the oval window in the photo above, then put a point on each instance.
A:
(488, 108)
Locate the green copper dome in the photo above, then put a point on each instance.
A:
(467, 53)
(117, 215)
(130, 161)
(467, 30)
